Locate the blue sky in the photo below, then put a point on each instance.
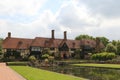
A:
(36, 18)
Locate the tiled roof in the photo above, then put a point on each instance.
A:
(45, 42)
(21, 43)
(91, 43)
(16, 43)
(71, 43)
(48, 42)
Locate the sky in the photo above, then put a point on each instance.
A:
(36, 18)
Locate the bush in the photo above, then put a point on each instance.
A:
(32, 58)
(103, 56)
(77, 54)
(44, 56)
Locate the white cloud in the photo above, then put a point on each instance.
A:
(76, 18)
(20, 7)
(71, 15)
(41, 27)
(107, 8)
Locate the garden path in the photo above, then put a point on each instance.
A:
(6, 73)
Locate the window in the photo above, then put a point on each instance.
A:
(52, 48)
(73, 49)
(35, 49)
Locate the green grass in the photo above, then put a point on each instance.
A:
(37, 74)
(117, 66)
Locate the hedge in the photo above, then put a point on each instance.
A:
(103, 56)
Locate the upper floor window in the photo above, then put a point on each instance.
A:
(35, 49)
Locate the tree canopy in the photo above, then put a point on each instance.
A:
(1, 44)
(110, 48)
(84, 36)
(104, 40)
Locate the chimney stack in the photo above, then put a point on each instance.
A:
(9, 34)
(65, 35)
(53, 34)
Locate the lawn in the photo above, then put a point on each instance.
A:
(37, 74)
(117, 66)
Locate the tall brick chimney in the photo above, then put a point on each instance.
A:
(9, 34)
(65, 35)
(52, 35)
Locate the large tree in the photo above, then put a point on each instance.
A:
(118, 47)
(111, 48)
(104, 40)
(84, 36)
(114, 42)
(1, 44)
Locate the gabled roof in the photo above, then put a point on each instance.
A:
(71, 43)
(16, 43)
(48, 42)
(22, 43)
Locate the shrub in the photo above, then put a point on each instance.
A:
(51, 59)
(78, 55)
(32, 58)
(44, 56)
(103, 56)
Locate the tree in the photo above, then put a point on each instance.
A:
(114, 42)
(84, 36)
(110, 48)
(1, 40)
(118, 47)
(104, 40)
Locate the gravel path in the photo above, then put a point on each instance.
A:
(7, 73)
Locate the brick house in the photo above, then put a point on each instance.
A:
(64, 47)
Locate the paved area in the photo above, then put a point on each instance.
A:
(7, 73)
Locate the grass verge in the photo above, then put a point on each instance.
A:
(115, 66)
(37, 74)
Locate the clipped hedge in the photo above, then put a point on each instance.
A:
(103, 56)
(17, 63)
